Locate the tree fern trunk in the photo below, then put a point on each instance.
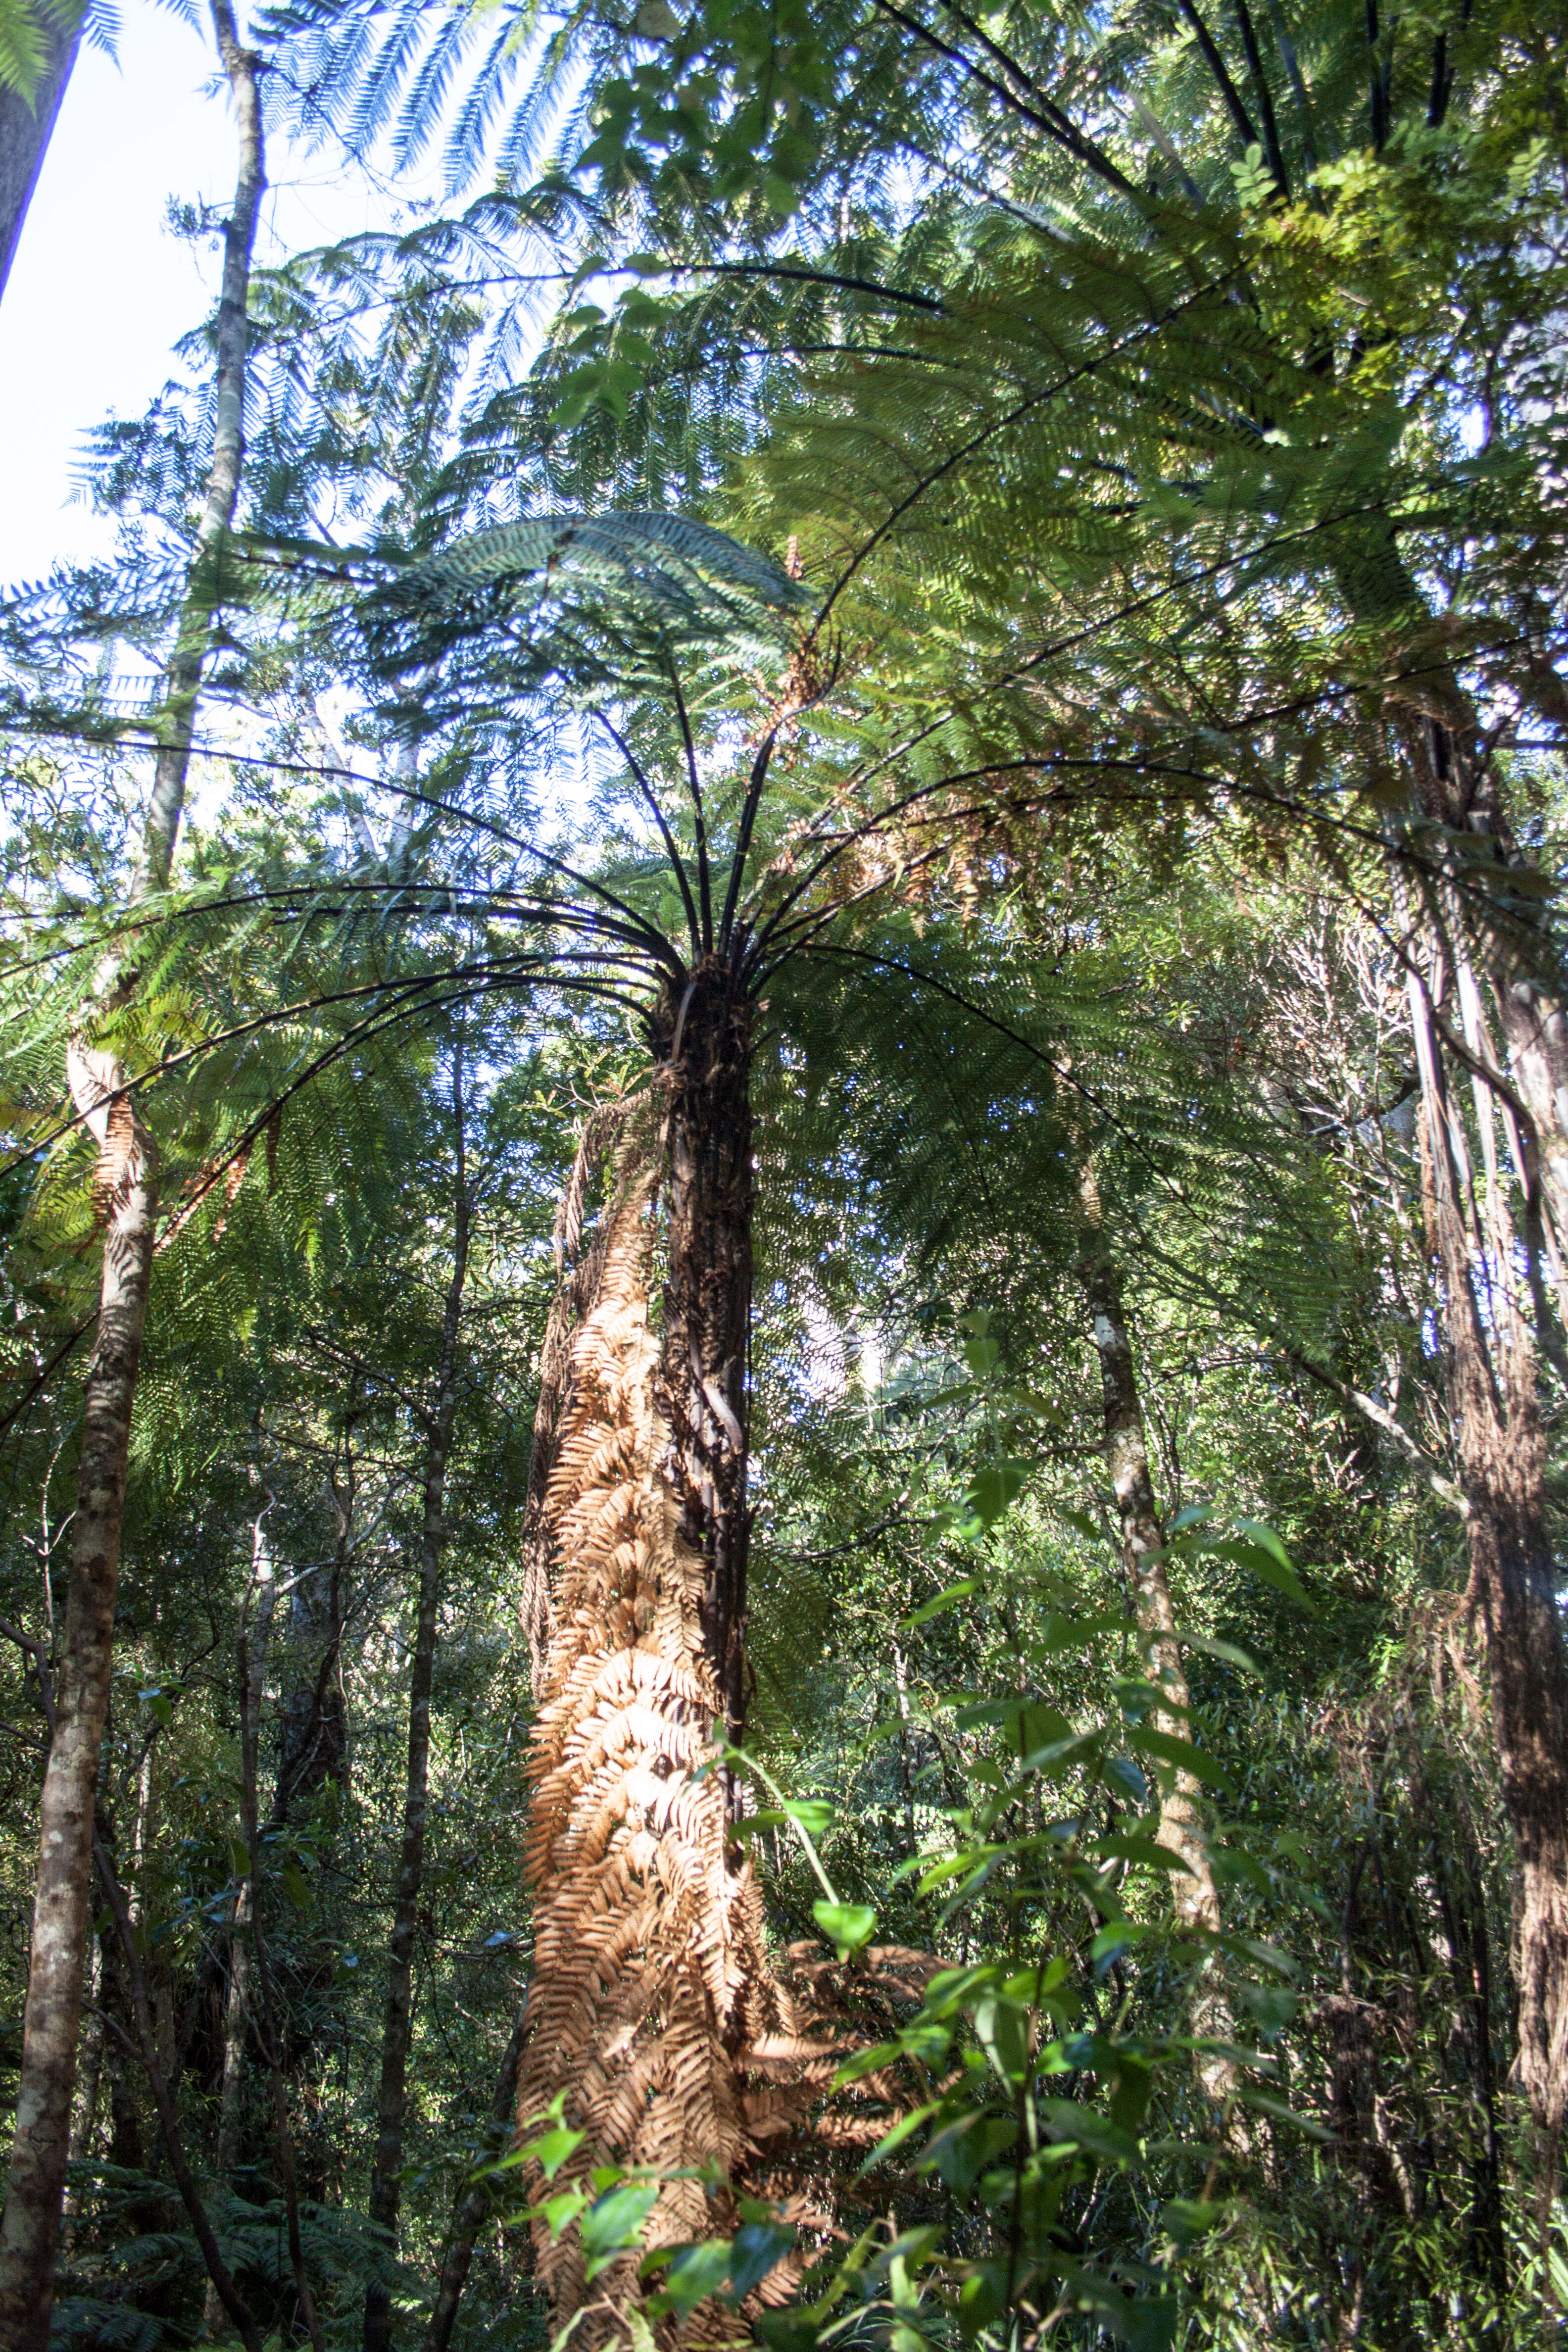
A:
(702, 1044)
(29, 2232)
(392, 2108)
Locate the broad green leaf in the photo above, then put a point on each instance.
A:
(848, 1925)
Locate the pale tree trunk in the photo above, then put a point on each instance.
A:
(392, 2106)
(1456, 787)
(1502, 1462)
(25, 130)
(1194, 1892)
(29, 2232)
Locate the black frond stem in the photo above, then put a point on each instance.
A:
(704, 879)
(1062, 1071)
(853, 834)
(41, 1380)
(1381, 71)
(402, 992)
(1047, 116)
(749, 807)
(1221, 72)
(999, 425)
(1272, 147)
(652, 938)
(846, 282)
(1292, 65)
(677, 864)
(500, 904)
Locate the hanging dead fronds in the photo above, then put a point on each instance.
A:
(651, 1984)
(576, 1295)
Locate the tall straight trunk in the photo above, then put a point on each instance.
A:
(703, 1042)
(231, 2092)
(1194, 1892)
(1502, 1463)
(392, 2106)
(29, 2232)
(26, 130)
(479, 2201)
(1457, 787)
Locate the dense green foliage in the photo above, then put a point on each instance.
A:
(986, 514)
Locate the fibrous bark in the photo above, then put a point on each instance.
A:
(650, 1979)
(702, 1044)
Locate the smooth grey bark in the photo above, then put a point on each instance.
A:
(126, 1194)
(391, 2104)
(25, 130)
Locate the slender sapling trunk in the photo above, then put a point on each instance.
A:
(391, 2109)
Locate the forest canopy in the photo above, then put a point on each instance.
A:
(783, 1163)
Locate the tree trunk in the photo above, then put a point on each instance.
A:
(29, 2232)
(703, 1045)
(1193, 1890)
(25, 130)
(231, 2095)
(477, 2202)
(392, 2106)
(1502, 1461)
(1456, 788)
(652, 1983)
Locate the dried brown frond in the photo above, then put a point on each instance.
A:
(651, 1982)
(618, 1123)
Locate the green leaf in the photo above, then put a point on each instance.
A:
(616, 2222)
(1085, 2127)
(691, 2273)
(759, 2247)
(815, 1815)
(551, 2152)
(995, 1489)
(1229, 1653)
(940, 1606)
(1261, 1564)
(1002, 2028)
(1181, 1753)
(1266, 2104)
(1187, 2218)
(849, 1926)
